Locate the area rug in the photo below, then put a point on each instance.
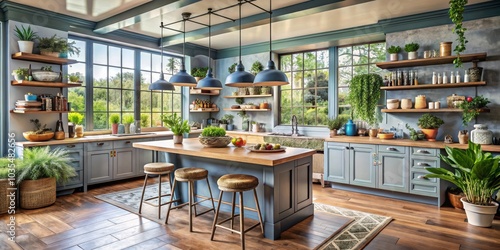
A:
(356, 235)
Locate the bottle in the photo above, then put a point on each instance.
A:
(466, 76)
(416, 77)
(400, 78)
(439, 79)
(452, 77)
(445, 78)
(457, 78)
(412, 77)
(434, 78)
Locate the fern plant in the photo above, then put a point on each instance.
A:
(364, 94)
(41, 162)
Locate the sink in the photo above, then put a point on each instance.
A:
(121, 135)
(285, 134)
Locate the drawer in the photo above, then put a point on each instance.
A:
(123, 143)
(424, 151)
(423, 189)
(391, 149)
(98, 146)
(71, 146)
(420, 163)
(75, 180)
(418, 177)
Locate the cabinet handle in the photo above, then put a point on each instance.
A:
(422, 177)
(347, 148)
(391, 149)
(352, 148)
(423, 164)
(70, 146)
(127, 142)
(100, 143)
(423, 151)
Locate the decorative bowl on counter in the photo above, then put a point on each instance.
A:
(215, 142)
(392, 103)
(38, 137)
(45, 76)
(385, 135)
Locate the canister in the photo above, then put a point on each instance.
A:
(445, 49)
(420, 102)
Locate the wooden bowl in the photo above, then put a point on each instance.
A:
(215, 142)
(385, 135)
(38, 137)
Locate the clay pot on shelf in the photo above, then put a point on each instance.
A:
(412, 55)
(393, 57)
(406, 103)
(445, 49)
(420, 102)
(333, 133)
(430, 134)
(463, 137)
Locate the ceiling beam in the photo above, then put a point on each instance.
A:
(285, 13)
(139, 13)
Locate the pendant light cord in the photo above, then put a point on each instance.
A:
(240, 28)
(161, 49)
(270, 26)
(184, 46)
(209, 35)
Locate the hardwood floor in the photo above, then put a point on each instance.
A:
(79, 221)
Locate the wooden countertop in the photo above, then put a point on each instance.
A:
(406, 142)
(95, 138)
(193, 147)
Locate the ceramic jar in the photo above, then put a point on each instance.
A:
(481, 134)
(475, 72)
(406, 103)
(445, 49)
(350, 128)
(420, 102)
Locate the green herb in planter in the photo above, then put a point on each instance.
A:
(429, 121)
(75, 118)
(411, 47)
(114, 119)
(393, 49)
(25, 34)
(176, 124)
(213, 132)
(337, 122)
(128, 119)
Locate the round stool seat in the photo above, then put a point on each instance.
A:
(237, 182)
(158, 167)
(187, 174)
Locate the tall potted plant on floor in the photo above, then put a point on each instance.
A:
(429, 124)
(478, 175)
(177, 126)
(26, 37)
(37, 173)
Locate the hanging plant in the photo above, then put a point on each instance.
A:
(364, 94)
(456, 12)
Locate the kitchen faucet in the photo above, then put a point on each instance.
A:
(295, 131)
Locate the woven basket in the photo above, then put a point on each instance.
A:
(37, 193)
(215, 142)
(4, 200)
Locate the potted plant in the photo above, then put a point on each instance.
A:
(145, 120)
(255, 127)
(49, 46)
(26, 37)
(199, 73)
(229, 118)
(67, 48)
(232, 68)
(75, 77)
(393, 52)
(114, 119)
(471, 108)
(177, 126)
(20, 74)
(429, 124)
(40, 133)
(411, 49)
(214, 137)
(77, 120)
(478, 175)
(223, 123)
(364, 94)
(127, 120)
(37, 173)
(244, 120)
(336, 123)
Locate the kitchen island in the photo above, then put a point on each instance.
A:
(285, 178)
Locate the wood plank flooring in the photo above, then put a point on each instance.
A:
(79, 221)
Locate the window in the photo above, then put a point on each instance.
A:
(155, 103)
(307, 94)
(77, 95)
(355, 60)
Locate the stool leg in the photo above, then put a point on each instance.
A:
(214, 225)
(232, 210)
(190, 194)
(194, 198)
(210, 192)
(242, 222)
(159, 196)
(258, 210)
(143, 190)
(170, 203)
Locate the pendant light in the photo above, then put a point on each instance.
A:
(270, 76)
(240, 78)
(161, 84)
(182, 78)
(209, 82)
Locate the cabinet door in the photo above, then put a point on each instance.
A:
(392, 170)
(361, 165)
(123, 163)
(75, 153)
(99, 166)
(337, 160)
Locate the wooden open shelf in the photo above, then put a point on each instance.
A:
(247, 96)
(203, 92)
(442, 110)
(45, 84)
(208, 110)
(435, 86)
(42, 58)
(37, 112)
(257, 110)
(431, 61)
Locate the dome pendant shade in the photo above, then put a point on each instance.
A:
(270, 76)
(240, 78)
(161, 84)
(182, 78)
(209, 82)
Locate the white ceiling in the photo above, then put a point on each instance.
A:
(346, 14)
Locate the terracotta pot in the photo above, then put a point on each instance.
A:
(333, 133)
(430, 134)
(114, 128)
(455, 200)
(178, 139)
(373, 132)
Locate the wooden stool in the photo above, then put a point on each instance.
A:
(191, 175)
(237, 183)
(158, 168)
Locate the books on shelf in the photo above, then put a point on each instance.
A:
(23, 103)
